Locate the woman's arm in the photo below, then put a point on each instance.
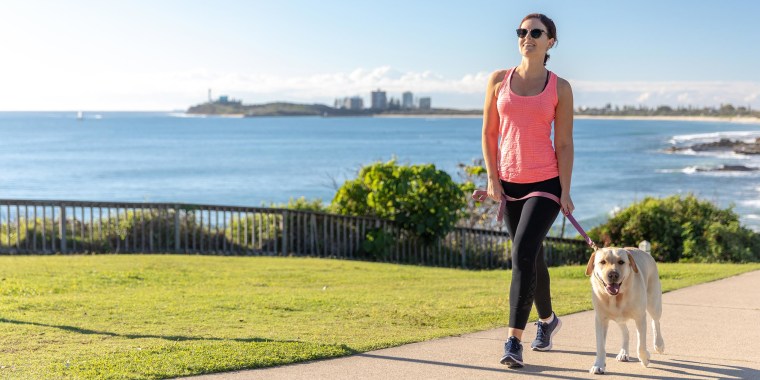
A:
(490, 136)
(563, 141)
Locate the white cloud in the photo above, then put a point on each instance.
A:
(176, 90)
(673, 93)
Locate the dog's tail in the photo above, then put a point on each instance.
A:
(646, 247)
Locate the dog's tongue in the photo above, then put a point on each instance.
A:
(613, 289)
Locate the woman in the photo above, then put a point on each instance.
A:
(521, 104)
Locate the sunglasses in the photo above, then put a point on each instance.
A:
(534, 33)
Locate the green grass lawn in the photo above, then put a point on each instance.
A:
(158, 316)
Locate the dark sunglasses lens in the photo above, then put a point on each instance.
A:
(522, 33)
(536, 33)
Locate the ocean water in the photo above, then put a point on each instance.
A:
(165, 157)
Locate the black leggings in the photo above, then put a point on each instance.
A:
(528, 222)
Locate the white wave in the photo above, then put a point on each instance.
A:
(752, 216)
(711, 171)
(186, 115)
(746, 136)
(686, 170)
(724, 154)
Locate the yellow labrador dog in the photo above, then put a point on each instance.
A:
(625, 286)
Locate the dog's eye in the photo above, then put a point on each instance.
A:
(602, 262)
(621, 262)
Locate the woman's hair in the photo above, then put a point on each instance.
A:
(551, 29)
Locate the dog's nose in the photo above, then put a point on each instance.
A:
(613, 276)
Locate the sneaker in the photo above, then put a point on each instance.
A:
(512, 353)
(544, 334)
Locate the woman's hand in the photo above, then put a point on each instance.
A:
(495, 190)
(566, 204)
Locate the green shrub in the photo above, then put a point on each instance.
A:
(421, 199)
(682, 229)
(113, 232)
(255, 231)
(377, 244)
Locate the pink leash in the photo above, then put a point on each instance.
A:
(482, 195)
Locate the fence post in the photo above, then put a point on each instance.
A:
(62, 227)
(461, 244)
(176, 228)
(285, 233)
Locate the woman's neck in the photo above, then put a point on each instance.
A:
(530, 68)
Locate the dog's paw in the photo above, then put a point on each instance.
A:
(644, 358)
(660, 347)
(623, 356)
(596, 370)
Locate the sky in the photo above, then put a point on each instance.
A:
(166, 55)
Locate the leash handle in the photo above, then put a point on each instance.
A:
(481, 195)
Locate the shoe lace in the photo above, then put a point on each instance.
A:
(541, 330)
(513, 346)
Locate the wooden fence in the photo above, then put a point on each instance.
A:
(65, 227)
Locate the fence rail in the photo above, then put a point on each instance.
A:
(65, 227)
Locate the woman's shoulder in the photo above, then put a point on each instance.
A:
(564, 90)
(562, 83)
(497, 76)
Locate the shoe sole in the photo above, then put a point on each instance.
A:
(551, 338)
(511, 362)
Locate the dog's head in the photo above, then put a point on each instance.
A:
(610, 267)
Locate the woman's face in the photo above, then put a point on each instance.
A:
(534, 47)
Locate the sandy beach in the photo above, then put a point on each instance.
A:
(738, 120)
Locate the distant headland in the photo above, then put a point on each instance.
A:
(231, 107)
(295, 109)
(349, 106)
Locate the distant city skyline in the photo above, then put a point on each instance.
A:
(141, 55)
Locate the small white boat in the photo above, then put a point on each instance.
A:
(80, 115)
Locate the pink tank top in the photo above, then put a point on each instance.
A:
(526, 152)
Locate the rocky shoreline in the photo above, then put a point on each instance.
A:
(724, 145)
(729, 168)
(736, 146)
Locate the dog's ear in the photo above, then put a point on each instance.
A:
(633, 262)
(590, 266)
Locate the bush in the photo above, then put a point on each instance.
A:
(421, 199)
(377, 244)
(122, 231)
(682, 229)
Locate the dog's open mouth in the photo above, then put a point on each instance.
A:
(612, 289)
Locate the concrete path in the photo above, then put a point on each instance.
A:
(711, 331)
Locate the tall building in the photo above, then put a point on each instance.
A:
(379, 100)
(425, 103)
(407, 100)
(353, 103)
